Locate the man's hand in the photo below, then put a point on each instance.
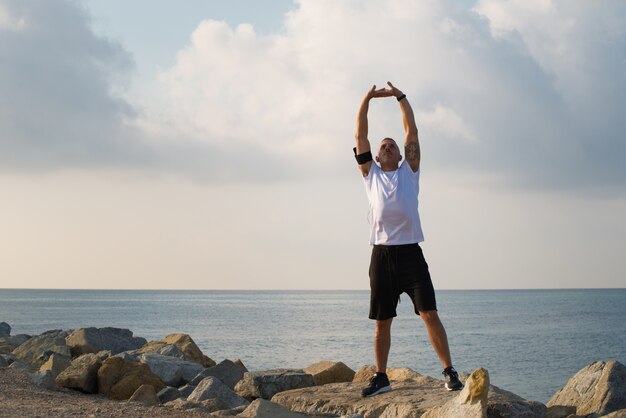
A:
(372, 93)
(393, 91)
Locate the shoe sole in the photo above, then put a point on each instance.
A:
(449, 389)
(379, 391)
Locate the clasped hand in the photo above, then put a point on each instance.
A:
(384, 92)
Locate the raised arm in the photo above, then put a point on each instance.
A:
(411, 142)
(362, 143)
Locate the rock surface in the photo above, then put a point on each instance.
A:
(82, 374)
(229, 372)
(56, 364)
(5, 329)
(92, 340)
(471, 402)
(145, 394)
(599, 388)
(397, 374)
(169, 393)
(409, 398)
(261, 408)
(185, 345)
(265, 384)
(324, 372)
(173, 371)
(119, 379)
(213, 388)
(44, 379)
(32, 351)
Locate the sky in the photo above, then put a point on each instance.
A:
(156, 144)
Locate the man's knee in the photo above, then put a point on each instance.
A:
(383, 327)
(429, 316)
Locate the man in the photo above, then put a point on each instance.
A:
(397, 264)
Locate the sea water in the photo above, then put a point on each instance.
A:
(530, 341)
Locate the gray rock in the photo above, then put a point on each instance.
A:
(56, 364)
(5, 329)
(10, 343)
(82, 374)
(230, 373)
(172, 370)
(265, 384)
(213, 405)
(127, 356)
(170, 350)
(44, 379)
(168, 394)
(261, 408)
(32, 351)
(409, 398)
(599, 388)
(145, 394)
(93, 340)
(212, 387)
(617, 414)
(559, 411)
(228, 412)
(186, 390)
(3, 362)
(502, 403)
(19, 365)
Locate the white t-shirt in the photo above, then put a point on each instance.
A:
(393, 216)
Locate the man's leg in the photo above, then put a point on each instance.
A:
(382, 344)
(438, 337)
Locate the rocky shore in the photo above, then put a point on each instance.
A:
(109, 372)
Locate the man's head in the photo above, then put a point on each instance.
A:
(388, 154)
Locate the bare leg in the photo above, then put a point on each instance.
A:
(438, 337)
(382, 344)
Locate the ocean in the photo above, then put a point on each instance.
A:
(530, 341)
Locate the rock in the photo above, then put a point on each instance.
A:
(119, 379)
(5, 329)
(186, 390)
(10, 343)
(261, 408)
(265, 384)
(104, 354)
(168, 394)
(127, 356)
(559, 411)
(325, 372)
(230, 373)
(19, 365)
(502, 403)
(44, 379)
(617, 414)
(172, 370)
(3, 362)
(146, 395)
(409, 398)
(183, 404)
(365, 373)
(471, 402)
(213, 405)
(598, 388)
(185, 345)
(92, 340)
(56, 364)
(31, 351)
(212, 387)
(81, 374)
(229, 412)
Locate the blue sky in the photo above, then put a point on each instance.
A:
(153, 144)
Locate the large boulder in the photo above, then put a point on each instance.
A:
(119, 379)
(213, 388)
(44, 379)
(265, 384)
(229, 372)
(93, 340)
(169, 393)
(11, 342)
(470, 403)
(5, 329)
(82, 374)
(56, 364)
(409, 398)
(261, 408)
(186, 348)
(33, 351)
(173, 371)
(324, 372)
(598, 388)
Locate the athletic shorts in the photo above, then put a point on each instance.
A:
(397, 269)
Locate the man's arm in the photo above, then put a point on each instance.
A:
(362, 143)
(411, 142)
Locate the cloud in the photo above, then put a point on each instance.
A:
(528, 92)
(58, 105)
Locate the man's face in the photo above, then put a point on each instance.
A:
(388, 153)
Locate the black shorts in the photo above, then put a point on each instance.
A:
(397, 269)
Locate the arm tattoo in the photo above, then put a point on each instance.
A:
(412, 151)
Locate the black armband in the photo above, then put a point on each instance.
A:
(366, 157)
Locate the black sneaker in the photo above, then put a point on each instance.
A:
(378, 384)
(452, 379)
